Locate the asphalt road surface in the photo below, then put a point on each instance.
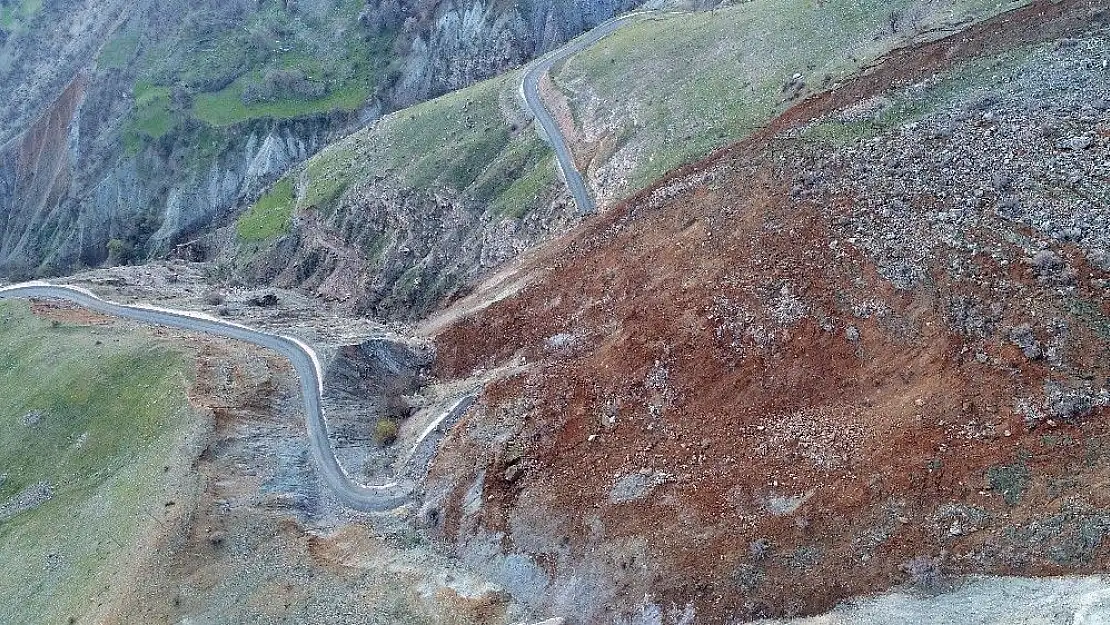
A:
(530, 86)
(305, 362)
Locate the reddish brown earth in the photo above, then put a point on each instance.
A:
(664, 338)
(63, 312)
(42, 153)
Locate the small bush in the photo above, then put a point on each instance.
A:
(120, 252)
(386, 430)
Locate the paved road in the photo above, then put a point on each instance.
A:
(530, 86)
(305, 362)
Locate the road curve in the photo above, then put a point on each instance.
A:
(530, 88)
(305, 362)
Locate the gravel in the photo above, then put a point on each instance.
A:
(29, 498)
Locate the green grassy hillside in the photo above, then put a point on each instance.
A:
(466, 141)
(15, 13)
(221, 66)
(95, 415)
(669, 89)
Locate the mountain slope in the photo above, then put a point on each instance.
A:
(672, 88)
(866, 347)
(157, 123)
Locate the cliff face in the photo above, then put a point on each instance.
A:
(137, 132)
(41, 51)
(468, 40)
(62, 202)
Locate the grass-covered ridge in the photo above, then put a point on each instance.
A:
(671, 88)
(95, 416)
(463, 141)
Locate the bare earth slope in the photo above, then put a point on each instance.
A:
(865, 347)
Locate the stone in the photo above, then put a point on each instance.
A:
(1081, 142)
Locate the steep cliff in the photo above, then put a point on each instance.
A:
(460, 41)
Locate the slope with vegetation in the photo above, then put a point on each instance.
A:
(90, 422)
(172, 116)
(671, 88)
(400, 216)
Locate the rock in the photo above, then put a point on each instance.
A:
(1100, 258)
(852, 334)
(263, 301)
(27, 499)
(1046, 260)
(636, 486)
(1081, 142)
(1023, 337)
(1009, 207)
(759, 548)
(1069, 403)
(512, 473)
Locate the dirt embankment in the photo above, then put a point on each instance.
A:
(799, 371)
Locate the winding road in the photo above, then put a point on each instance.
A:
(530, 89)
(305, 362)
(369, 498)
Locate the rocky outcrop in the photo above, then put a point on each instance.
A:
(377, 368)
(395, 252)
(60, 204)
(468, 40)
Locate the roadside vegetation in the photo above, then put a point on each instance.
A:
(270, 216)
(88, 420)
(741, 65)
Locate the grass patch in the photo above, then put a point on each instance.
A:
(112, 406)
(327, 176)
(535, 188)
(460, 141)
(271, 216)
(348, 75)
(222, 62)
(226, 107)
(449, 140)
(463, 141)
(119, 51)
(151, 119)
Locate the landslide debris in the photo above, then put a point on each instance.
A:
(870, 345)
